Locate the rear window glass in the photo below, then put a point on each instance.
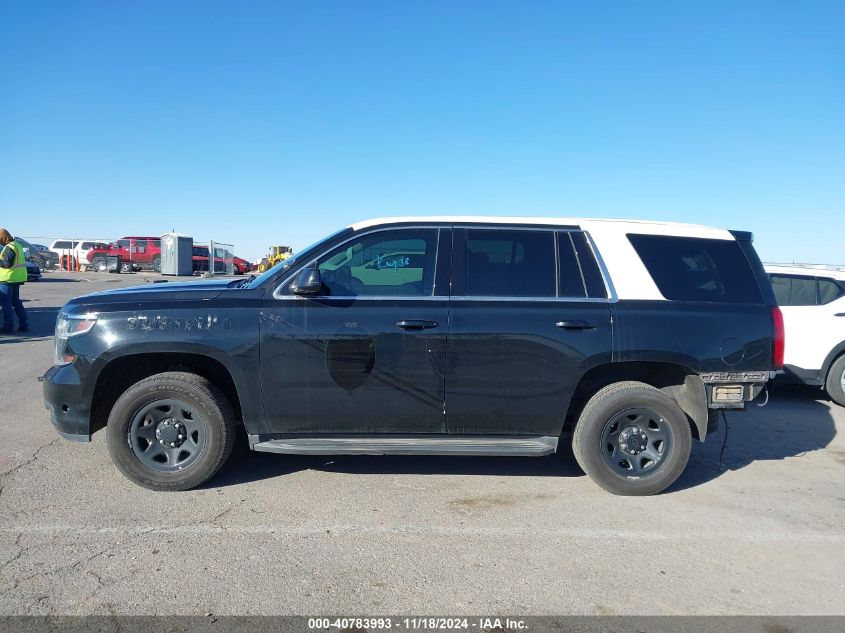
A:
(797, 290)
(792, 290)
(502, 263)
(697, 269)
(829, 291)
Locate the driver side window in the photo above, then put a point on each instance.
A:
(395, 263)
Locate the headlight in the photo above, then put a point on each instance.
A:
(68, 326)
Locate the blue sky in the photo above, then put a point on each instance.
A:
(272, 122)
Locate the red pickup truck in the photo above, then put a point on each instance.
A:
(134, 252)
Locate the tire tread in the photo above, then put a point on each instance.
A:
(194, 386)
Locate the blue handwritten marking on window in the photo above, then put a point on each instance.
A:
(392, 261)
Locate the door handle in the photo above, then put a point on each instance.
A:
(575, 325)
(416, 324)
(839, 314)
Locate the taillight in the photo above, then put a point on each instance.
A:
(779, 342)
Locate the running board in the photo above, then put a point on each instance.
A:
(533, 445)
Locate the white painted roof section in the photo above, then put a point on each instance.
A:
(628, 276)
(807, 270)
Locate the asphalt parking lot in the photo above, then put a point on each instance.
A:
(762, 533)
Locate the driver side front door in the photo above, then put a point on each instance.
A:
(367, 354)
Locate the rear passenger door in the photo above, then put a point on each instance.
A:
(529, 315)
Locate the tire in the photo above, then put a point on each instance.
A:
(98, 262)
(157, 264)
(835, 383)
(155, 407)
(620, 461)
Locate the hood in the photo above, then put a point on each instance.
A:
(169, 292)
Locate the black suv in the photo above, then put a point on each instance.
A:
(460, 336)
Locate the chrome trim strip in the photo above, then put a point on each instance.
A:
(419, 445)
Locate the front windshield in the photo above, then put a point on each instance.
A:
(304, 253)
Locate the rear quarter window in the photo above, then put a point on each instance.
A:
(830, 290)
(698, 269)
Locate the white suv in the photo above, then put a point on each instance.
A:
(76, 249)
(812, 300)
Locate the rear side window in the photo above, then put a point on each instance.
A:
(793, 290)
(697, 269)
(510, 263)
(62, 244)
(798, 290)
(829, 290)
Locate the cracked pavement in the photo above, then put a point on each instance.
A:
(762, 533)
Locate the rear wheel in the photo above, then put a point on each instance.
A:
(835, 384)
(157, 264)
(632, 439)
(171, 431)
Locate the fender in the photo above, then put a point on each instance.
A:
(692, 398)
(835, 353)
(249, 395)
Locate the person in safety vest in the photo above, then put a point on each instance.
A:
(12, 277)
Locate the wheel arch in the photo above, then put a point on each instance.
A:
(120, 372)
(679, 382)
(831, 358)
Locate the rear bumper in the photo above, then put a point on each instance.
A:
(744, 385)
(797, 375)
(69, 410)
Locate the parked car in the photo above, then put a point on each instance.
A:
(136, 253)
(200, 257)
(73, 251)
(43, 258)
(812, 300)
(33, 272)
(458, 336)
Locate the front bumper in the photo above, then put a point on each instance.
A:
(69, 410)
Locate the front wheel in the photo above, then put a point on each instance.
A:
(98, 262)
(157, 264)
(171, 431)
(835, 384)
(632, 439)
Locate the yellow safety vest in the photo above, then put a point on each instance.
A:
(17, 273)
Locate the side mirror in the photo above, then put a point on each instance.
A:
(307, 282)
